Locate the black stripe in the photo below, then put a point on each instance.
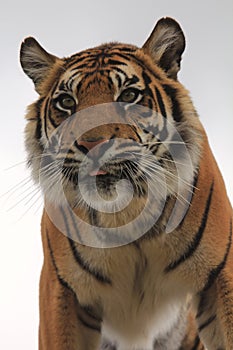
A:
(203, 305)
(125, 49)
(66, 285)
(83, 65)
(129, 57)
(47, 113)
(120, 71)
(38, 129)
(45, 117)
(115, 62)
(160, 102)
(206, 323)
(196, 343)
(110, 82)
(91, 313)
(78, 258)
(150, 106)
(99, 276)
(135, 130)
(146, 102)
(194, 187)
(81, 148)
(88, 325)
(215, 272)
(119, 81)
(52, 121)
(63, 86)
(131, 81)
(176, 109)
(147, 81)
(197, 239)
(76, 59)
(72, 78)
(38, 132)
(212, 277)
(93, 217)
(60, 279)
(69, 161)
(69, 233)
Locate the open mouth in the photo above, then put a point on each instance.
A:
(104, 176)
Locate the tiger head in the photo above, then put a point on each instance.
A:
(114, 116)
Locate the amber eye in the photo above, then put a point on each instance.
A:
(65, 101)
(129, 95)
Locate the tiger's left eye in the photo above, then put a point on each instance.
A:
(129, 95)
(65, 101)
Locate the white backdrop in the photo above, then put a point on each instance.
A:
(64, 28)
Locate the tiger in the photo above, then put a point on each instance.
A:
(137, 224)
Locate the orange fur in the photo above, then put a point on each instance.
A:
(178, 284)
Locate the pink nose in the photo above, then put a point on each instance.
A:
(94, 147)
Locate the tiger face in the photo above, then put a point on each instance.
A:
(112, 120)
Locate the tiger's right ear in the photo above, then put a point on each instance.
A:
(166, 45)
(35, 61)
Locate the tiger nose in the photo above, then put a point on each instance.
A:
(93, 146)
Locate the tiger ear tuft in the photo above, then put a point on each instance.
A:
(35, 61)
(165, 45)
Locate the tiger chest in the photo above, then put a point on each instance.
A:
(140, 304)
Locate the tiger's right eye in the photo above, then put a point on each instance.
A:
(129, 95)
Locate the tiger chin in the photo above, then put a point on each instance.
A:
(137, 226)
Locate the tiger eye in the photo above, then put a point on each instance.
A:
(129, 95)
(67, 102)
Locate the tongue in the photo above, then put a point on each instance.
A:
(96, 172)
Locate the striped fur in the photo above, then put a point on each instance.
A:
(171, 287)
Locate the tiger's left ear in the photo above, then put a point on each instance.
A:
(35, 61)
(166, 45)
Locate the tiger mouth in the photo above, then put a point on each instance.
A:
(106, 178)
(96, 175)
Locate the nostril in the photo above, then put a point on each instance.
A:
(81, 148)
(93, 145)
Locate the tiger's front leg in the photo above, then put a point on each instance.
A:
(225, 303)
(214, 314)
(64, 325)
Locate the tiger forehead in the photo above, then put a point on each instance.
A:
(112, 65)
(101, 55)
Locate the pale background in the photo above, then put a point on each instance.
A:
(63, 28)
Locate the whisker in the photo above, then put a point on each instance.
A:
(165, 143)
(22, 183)
(31, 198)
(152, 164)
(174, 161)
(171, 175)
(35, 190)
(160, 180)
(25, 161)
(15, 165)
(28, 209)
